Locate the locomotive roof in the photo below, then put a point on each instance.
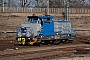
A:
(62, 21)
(42, 17)
(32, 17)
(45, 17)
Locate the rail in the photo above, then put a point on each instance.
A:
(50, 51)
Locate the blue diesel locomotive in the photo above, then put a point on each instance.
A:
(44, 29)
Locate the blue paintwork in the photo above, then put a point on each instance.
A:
(61, 22)
(48, 29)
(66, 32)
(44, 17)
(74, 31)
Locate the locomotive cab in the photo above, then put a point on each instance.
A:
(47, 26)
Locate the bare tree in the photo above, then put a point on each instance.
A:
(23, 3)
(27, 3)
(0, 3)
(9, 3)
(42, 3)
(37, 3)
(72, 3)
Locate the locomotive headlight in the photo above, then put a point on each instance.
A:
(57, 33)
(29, 38)
(27, 34)
(41, 36)
(19, 34)
(24, 30)
(52, 36)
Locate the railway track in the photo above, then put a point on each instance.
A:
(4, 44)
(41, 53)
(8, 50)
(11, 44)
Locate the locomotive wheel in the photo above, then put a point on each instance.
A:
(57, 41)
(57, 37)
(37, 44)
(46, 42)
(63, 40)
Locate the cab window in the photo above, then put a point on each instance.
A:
(33, 19)
(47, 20)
